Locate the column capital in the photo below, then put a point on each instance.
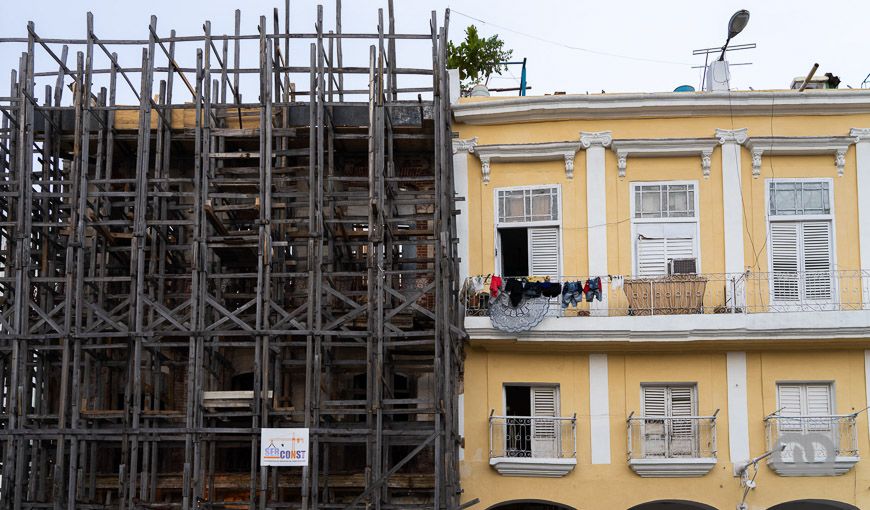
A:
(737, 136)
(464, 145)
(860, 134)
(597, 139)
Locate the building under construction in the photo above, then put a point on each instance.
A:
(183, 269)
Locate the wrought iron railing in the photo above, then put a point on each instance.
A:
(671, 437)
(704, 293)
(550, 437)
(811, 438)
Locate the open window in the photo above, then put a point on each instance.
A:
(664, 223)
(528, 236)
(532, 426)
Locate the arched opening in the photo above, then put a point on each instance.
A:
(672, 504)
(529, 504)
(813, 504)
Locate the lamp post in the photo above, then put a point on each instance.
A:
(736, 25)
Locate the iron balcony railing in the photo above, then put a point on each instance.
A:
(545, 437)
(811, 438)
(671, 437)
(703, 293)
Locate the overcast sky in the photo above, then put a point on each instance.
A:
(618, 46)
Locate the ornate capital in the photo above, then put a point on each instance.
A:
(598, 139)
(705, 163)
(840, 161)
(484, 168)
(464, 145)
(737, 136)
(569, 165)
(860, 134)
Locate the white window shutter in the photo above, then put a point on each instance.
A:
(682, 437)
(785, 264)
(654, 431)
(790, 399)
(545, 433)
(544, 252)
(818, 400)
(816, 237)
(650, 253)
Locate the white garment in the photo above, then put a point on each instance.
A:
(617, 281)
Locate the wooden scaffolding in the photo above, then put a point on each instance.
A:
(179, 273)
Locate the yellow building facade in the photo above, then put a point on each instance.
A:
(726, 363)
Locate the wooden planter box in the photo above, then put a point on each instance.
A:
(666, 295)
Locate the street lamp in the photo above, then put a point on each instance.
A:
(736, 25)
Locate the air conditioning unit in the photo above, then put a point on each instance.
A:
(682, 266)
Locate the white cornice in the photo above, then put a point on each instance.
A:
(860, 134)
(662, 104)
(527, 152)
(800, 146)
(664, 147)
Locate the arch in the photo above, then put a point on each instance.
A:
(813, 504)
(672, 504)
(529, 504)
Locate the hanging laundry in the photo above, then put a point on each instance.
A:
(592, 289)
(533, 289)
(551, 289)
(571, 294)
(617, 281)
(495, 286)
(514, 289)
(537, 279)
(477, 284)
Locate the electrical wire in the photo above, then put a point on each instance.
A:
(568, 46)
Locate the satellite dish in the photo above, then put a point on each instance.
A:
(684, 88)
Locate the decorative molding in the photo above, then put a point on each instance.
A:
(672, 468)
(664, 147)
(842, 465)
(595, 138)
(532, 466)
(527, 152)
(464, 145)
(662, 104)
(860, 134)
(800, 146)
(737, 136)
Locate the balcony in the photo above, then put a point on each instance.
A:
(541, 446)
(695, 306)
(670, 447)
(812, 445)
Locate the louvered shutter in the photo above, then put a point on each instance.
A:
(654, 430)
(818, 403)
(650, 253)
(544, 252)
(790, 405)
(544, 431)
(679, 248)
(785, 264)
(816, 237)
(682, 432)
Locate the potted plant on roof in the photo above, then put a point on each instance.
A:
(477, 58)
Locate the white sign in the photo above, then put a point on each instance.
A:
(283, 447)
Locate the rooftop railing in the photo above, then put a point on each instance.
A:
(704, 293)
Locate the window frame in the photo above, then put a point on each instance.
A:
(526, 224)
(801, 218)
(696, 219)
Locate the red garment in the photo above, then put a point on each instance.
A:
(586, 286)
(494, 286)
